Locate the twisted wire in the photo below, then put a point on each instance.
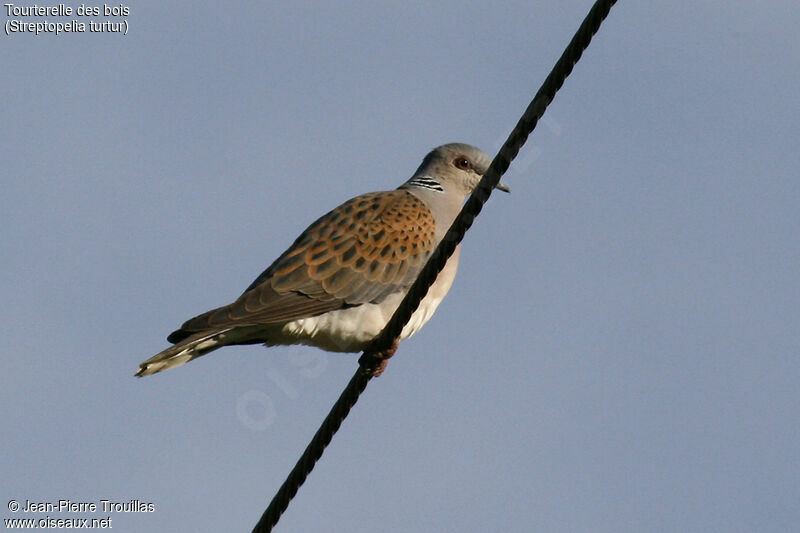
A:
(383, 346)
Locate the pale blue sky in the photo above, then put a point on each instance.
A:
(621, 348)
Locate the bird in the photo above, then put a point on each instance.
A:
(341, 280)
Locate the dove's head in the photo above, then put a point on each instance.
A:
(454, 167)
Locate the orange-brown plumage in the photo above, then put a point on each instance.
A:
(383, 237)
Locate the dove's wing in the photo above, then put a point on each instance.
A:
(364, 250)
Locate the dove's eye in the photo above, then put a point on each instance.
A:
(462, 163)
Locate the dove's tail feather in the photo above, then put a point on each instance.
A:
(189, 348)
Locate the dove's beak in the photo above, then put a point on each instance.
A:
(502, 187)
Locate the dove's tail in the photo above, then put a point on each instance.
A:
(184, 351)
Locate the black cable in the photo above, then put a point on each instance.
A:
(374, 358)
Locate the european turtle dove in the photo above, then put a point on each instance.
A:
(340, 282)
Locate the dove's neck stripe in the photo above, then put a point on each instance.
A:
(425, 182)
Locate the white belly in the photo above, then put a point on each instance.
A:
(349, 330)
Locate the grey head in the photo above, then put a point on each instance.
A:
(456, 168)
